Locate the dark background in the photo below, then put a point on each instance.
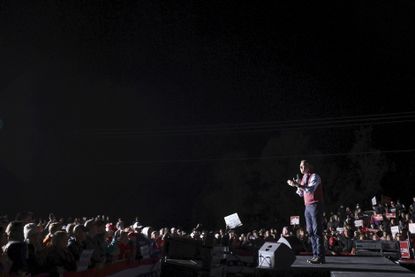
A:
(180, 112)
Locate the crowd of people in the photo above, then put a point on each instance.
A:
(56, 245)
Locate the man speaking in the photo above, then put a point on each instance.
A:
(311, 189)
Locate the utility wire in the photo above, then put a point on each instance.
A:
(331, 122)
(409, 113)
(396, 151)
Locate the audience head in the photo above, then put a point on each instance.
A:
(60, 240)
(14, 231)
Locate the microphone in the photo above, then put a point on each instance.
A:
(297, 178)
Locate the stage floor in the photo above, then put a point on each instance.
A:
(335, 266)
(340, 266)
(369, 274)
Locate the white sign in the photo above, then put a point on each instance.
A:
(295, 220)
(374, 201)
(412, 228)
(340, 229)
(233, 221)
(394, 230)
(358, 223)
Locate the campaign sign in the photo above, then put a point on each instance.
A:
(390, 215)
(404, 245)
(377, 217)
(412, 228)
(295, 220)
(358, 223)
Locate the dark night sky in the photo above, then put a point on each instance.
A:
(94, 95)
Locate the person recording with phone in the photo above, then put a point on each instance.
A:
(310, 188)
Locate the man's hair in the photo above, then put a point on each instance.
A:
(58, 236)
(79, 228)
(14, 231)
(29, 229)
(53, 227)
(308, 165)
(89, 224)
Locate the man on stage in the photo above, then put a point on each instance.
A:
(311, 189)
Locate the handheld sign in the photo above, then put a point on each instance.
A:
(295, 220)
(377, 217)
(394, 230)
(233, 221)
(358, 223)
(404, 246)
(390, 215)
(374, 201)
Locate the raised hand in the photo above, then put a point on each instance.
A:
(291, 183)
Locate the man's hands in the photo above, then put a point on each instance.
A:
(291, 183)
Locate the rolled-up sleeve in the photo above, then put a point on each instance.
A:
(313, 183)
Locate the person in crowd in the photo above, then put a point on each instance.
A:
(27, 254)
(386, 236)
(52, 228)
(268, 236)
(333, 222)
(110, 230)
(35, 258)
(285, 233)
(142, 243)
(158, 242)
(173, 232)
(346, 241)
(95, 240)
(16, 249)
(274, 233)
(375, 236)
(59, 259)
(69, 228)
(77, 242)
(5, 262)
(333, 244)
(125, 246)
(303, 239)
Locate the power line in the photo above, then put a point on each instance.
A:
(396, 151)
(330, 122)
(408, 113)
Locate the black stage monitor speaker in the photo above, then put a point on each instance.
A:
(181, 248)
(277, 255)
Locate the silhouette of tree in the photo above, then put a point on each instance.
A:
(258, 190)
(357, 177)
